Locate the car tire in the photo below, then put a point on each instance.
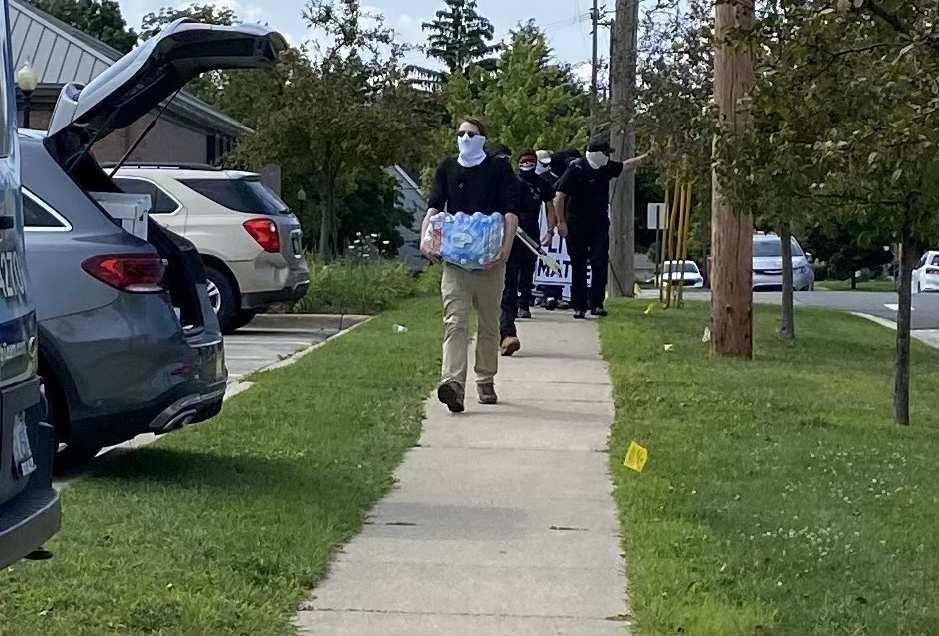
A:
(242, 318)
(76, 453)
(227, 309)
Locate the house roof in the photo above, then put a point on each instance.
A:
(61, 53)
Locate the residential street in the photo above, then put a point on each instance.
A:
(502, 520)
(880, 304)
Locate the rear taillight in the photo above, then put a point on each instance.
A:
(137, 273)
(265, 233)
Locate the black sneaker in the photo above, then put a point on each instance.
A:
(580, 315)
(524, 313)
(487, 393)
(451, 394)
(599, 312)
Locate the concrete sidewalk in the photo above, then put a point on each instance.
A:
(502, 521)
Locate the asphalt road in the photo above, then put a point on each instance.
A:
(880, 304)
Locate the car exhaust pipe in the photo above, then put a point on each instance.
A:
(180, 420)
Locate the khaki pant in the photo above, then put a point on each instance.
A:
(462, 289)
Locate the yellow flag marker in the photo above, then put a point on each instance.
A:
(669, 347)
(649, 309)
(636, 457)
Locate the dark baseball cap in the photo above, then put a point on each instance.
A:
(600, 145)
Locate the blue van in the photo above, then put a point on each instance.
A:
(30, 512)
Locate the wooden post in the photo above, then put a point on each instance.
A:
(731, 229)
(660, 256)
(672, 232)
(623, 39)
(685, 236)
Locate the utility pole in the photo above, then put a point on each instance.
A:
(731, 229)
(594, 68)
(623, 44)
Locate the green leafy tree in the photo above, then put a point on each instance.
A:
(342, 112)
(206, 13)
(527, 101)
(848, 89)
(675, 70)
(100, 19)
(458, 37)
(212, 87)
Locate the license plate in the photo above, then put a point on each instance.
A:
(23, 462)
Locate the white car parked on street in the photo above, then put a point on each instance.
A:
(926, 274)
(675, 271)
(249, 239)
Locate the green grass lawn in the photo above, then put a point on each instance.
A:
(778, 497)
(867, 285)
(224, 527)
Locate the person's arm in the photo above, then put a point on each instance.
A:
(507, 185)
(635, 161)
(436, 203)
(552, 222)
(565, 187)
(560, 211)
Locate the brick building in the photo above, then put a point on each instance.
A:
(189, 131)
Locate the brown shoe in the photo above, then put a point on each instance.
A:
(487, 393)
(510, 345)
(451, 394)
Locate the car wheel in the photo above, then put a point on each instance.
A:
(242, 318)
(223, 297)
(70, 453)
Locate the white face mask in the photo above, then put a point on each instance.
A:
(597, 159)
(471, 150)
(540, 169)
(527, 167)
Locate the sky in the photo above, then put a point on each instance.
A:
(566, 21)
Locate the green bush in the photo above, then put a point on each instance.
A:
(349, 287)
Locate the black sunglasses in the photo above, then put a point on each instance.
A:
(466, 133)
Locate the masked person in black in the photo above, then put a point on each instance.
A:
(472, 182)
(520, 270)
(583, 202)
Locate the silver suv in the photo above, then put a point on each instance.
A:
(250, 241)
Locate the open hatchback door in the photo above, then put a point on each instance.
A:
(125, 93)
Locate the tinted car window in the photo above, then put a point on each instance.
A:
(241, 195)
(162, 203)
(772, 248)
(34, 215)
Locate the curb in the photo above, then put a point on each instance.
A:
(929, 337)
(337, 322)
(295, 358)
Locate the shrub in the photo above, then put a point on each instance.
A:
(351, 287)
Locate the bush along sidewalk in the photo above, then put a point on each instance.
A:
(224, 528)
(778, 496)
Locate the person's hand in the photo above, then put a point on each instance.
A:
(562, 230)
(429, 255)
(501, 258)
(547, 239)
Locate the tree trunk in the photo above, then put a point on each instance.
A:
(787, 327)
(324, 232)
(623, 137)
(731, 230)
(901, 391)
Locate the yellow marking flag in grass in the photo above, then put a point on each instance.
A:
(636, 457)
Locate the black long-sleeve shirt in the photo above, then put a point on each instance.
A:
(488, 188)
